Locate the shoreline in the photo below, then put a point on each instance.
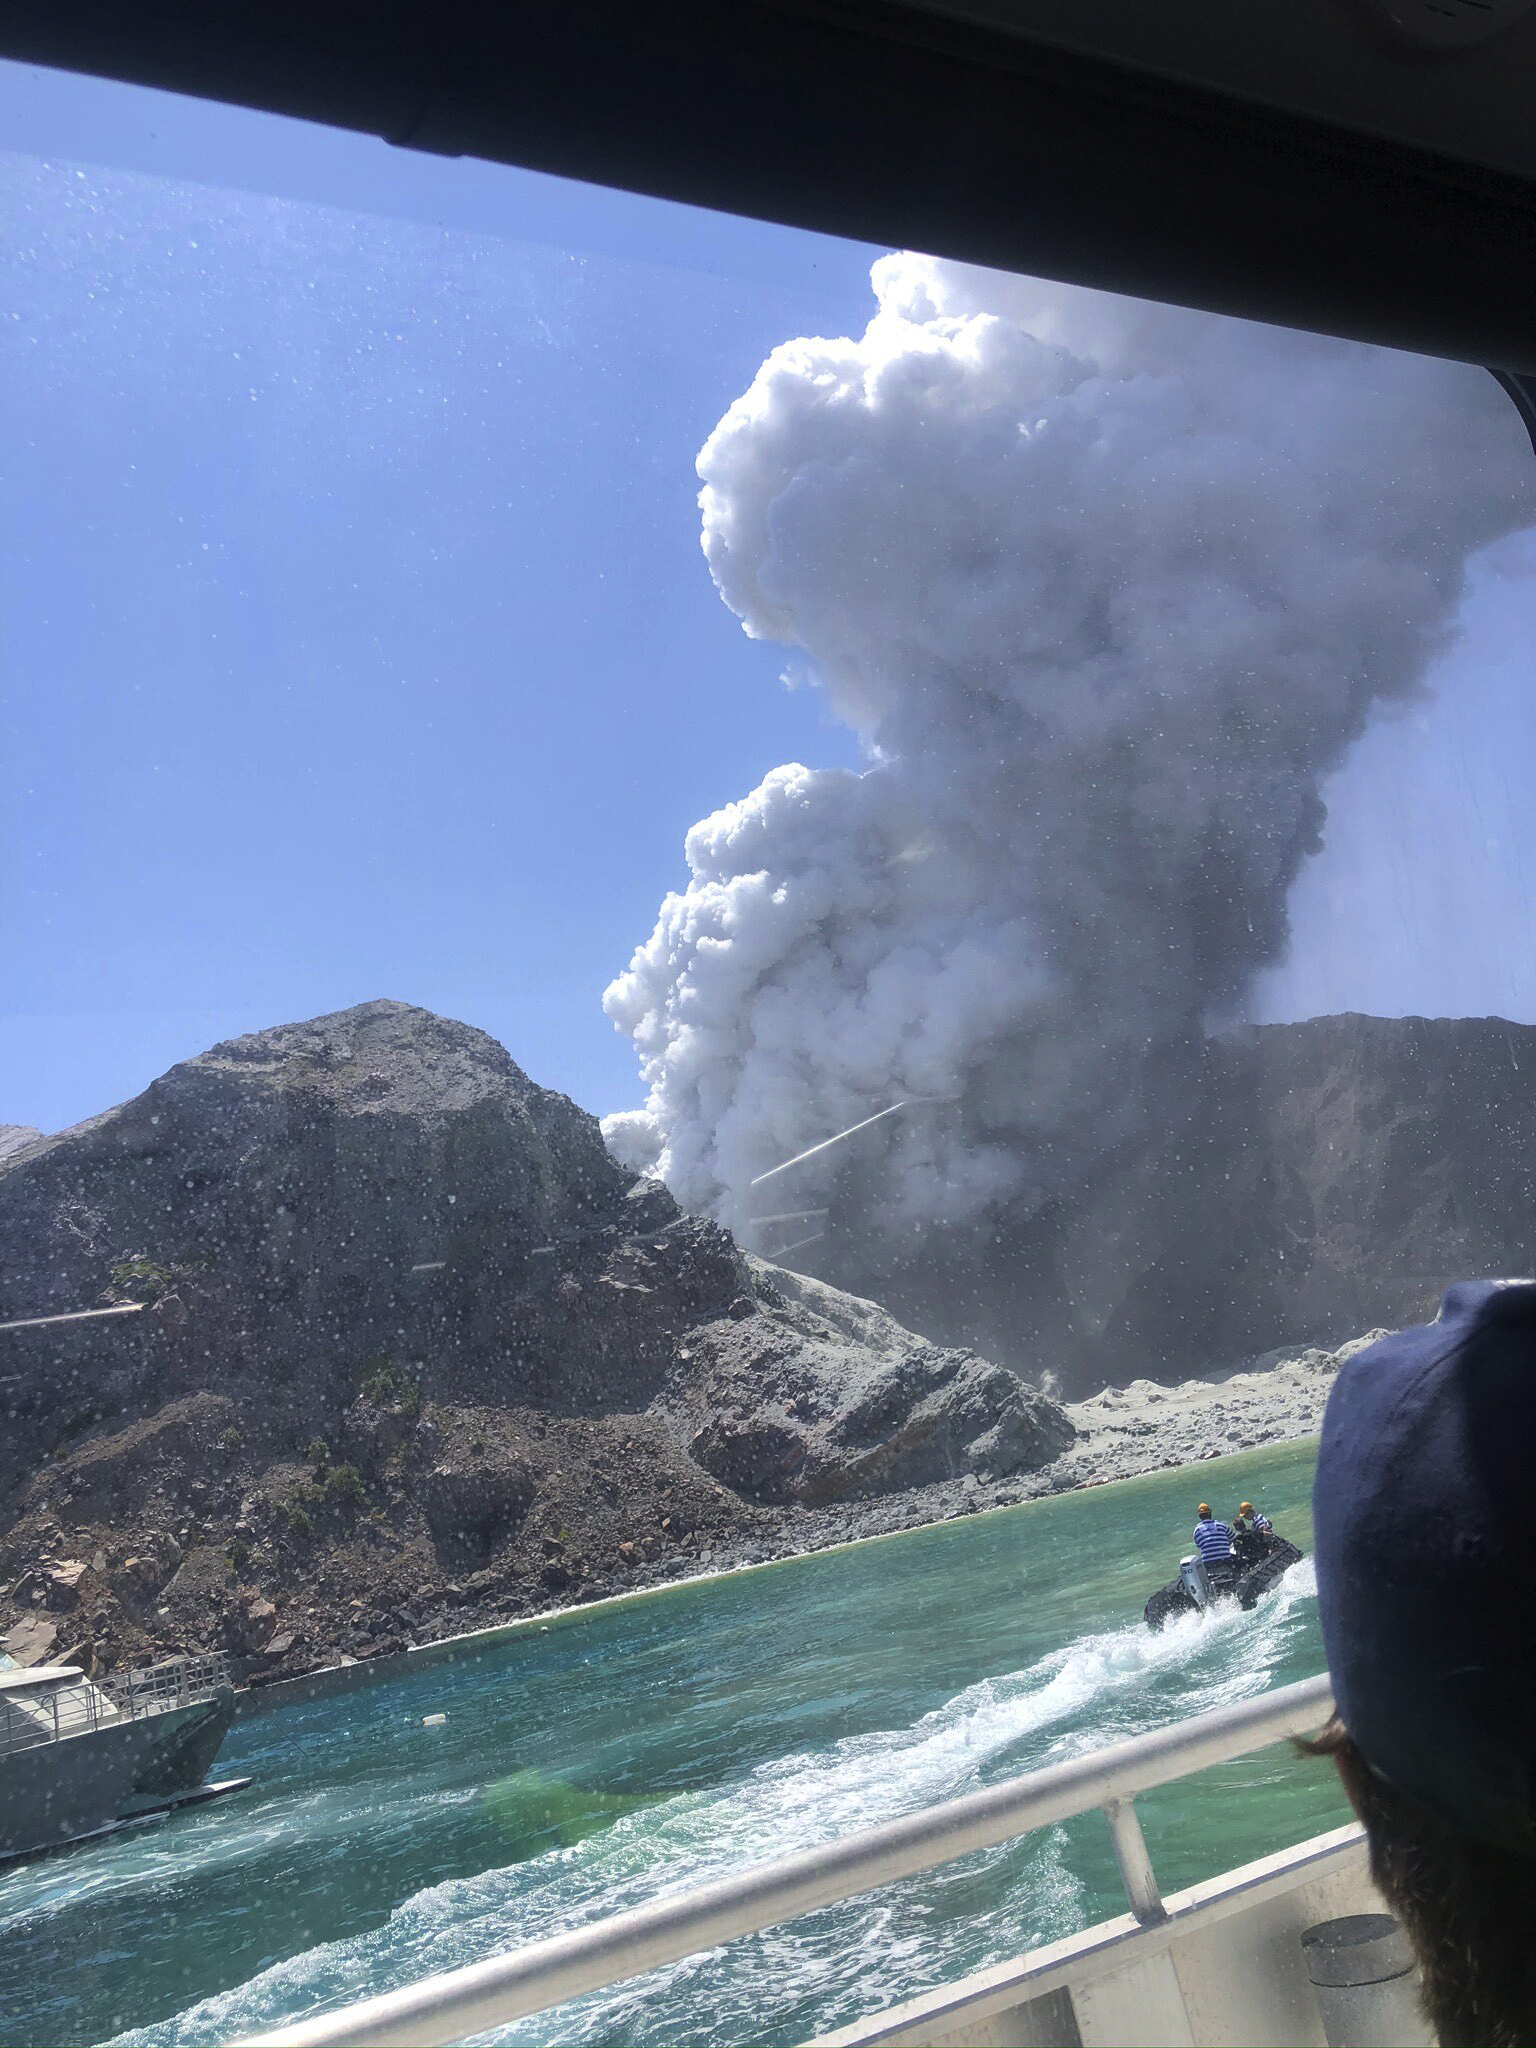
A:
(1125, 1433)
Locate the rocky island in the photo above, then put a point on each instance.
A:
(364, 1339)
(347, 1336)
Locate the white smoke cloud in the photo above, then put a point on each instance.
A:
(1106, 589)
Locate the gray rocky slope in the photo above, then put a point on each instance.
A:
(407, 1352)
(1305, 1182)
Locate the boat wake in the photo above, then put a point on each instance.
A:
(825, 1968)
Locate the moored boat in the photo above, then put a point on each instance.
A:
(78, 1758)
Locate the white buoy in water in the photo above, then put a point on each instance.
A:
(433, 1720)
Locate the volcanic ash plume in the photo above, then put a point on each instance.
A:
(1106, 590)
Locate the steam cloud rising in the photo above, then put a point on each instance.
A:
(1106, 590)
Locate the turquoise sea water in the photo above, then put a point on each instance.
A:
(643, 1747)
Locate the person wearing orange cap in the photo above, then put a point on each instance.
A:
(1213, 1540)
(1253, 1534)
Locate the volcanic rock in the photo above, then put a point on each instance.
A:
(31, 1641)
(1310, 1181)
(409, 1351)
(16, 1138)
(834, 1399)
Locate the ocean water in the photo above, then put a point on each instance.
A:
(646, 1746)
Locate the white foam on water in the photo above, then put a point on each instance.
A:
(1100, 1688)
(331, 1821)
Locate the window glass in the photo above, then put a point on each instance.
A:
(634, 1064)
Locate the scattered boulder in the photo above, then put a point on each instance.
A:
(851, 1403)
(31, 1641)
(62, 1583)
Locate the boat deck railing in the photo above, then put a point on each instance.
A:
(507, 1987)
(176, 1682)
(79, 1706)
(27, 1721)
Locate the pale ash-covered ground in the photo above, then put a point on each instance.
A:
(1139, 1428)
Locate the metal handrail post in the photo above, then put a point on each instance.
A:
(1136, 1872)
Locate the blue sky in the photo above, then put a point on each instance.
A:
(356, 637)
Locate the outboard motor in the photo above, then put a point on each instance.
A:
(1195, 1580)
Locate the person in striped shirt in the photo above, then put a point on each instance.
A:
(1253, 1534)
(1213, 1540)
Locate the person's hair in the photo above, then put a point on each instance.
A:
(1469, 1909)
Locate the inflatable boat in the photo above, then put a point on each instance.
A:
(1200, 1586)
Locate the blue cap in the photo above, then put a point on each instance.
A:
(1425, 1538)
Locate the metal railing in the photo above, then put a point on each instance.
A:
(30, 1717)
(177, 1682)
(448, 2008)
